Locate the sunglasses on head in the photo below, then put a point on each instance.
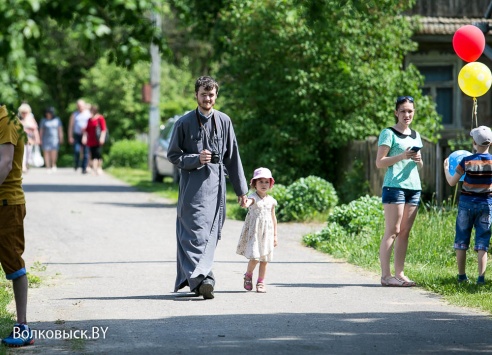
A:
(400, 99)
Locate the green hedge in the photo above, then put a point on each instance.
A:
(128, 154)
(306, 199)
(352, 219)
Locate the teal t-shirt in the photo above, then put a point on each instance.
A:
(404, 174)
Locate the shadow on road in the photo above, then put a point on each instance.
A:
(76, 188)
(139, 205)
(286, 333)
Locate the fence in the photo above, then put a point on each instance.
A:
(432, 174)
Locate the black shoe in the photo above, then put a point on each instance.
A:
(207, 290)
(463, 279)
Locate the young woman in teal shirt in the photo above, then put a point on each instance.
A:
(401, 189)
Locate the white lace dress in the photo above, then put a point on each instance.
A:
(256, 241)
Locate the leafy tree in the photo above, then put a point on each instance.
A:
(303, 78)
(118, 93)
(193, 32)
(45, 44)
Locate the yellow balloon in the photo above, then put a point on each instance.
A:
(475, 79)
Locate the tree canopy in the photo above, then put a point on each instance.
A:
(299, 78)
(46, 44)
(304, 78)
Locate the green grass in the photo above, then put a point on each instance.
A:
(430, 261)
(6, 296)
(142, 180)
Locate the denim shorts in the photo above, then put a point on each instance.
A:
(398, 196)
(473, 215)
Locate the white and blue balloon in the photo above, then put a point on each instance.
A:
(455, 159)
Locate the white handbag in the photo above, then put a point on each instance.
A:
(37, 159)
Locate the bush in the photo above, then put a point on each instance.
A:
(319, 239)
(351, 230)
(65, 160)
(365, 212)
(305, 199)
(279, 193)
(128, 154)
(354, 183)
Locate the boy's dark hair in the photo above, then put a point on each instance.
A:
(207, 82)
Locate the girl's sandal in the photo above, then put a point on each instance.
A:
(248, 283)
(260, 287)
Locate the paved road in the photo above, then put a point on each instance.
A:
(109, 253)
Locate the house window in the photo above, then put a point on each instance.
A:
(439, 83)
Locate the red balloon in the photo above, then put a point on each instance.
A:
(469, 43)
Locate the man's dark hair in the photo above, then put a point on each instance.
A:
(207, 82)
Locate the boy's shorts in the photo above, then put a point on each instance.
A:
(396, 195)
(473, 215)
(12, 240)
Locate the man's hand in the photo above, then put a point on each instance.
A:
(205, 156)
(242, 200)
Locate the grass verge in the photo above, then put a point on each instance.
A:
(7, 295)
(142, 180)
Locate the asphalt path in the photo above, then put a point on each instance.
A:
(106, 255)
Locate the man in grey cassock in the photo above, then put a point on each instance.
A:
(203, 145)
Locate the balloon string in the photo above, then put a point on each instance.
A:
(474, 112)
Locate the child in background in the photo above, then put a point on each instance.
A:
(259, 234)
(475, 203)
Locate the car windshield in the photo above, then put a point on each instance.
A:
(166, 132)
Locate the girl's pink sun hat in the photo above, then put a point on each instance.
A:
(263, 173)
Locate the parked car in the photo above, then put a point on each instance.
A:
(161, 167)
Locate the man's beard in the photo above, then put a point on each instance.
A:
(205, 106)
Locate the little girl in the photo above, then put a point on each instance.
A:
(259, 234)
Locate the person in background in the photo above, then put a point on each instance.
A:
(475, 204)
(76, 125)
(401, 189)
(31, 128)
(12, 214)
(94, 136)
(51, 132)
(203, 145)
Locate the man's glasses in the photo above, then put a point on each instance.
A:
(400, 99)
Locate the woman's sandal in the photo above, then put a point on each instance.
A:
(260, 287)
(407, 280)
(394, 282)
(248, 283)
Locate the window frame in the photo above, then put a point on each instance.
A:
(434, 59)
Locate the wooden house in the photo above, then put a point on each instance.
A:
(438, 62)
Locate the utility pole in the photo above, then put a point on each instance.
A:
(155, 85)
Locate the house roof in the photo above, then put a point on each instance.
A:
(448, 25)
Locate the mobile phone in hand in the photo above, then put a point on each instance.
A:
(415, 149)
